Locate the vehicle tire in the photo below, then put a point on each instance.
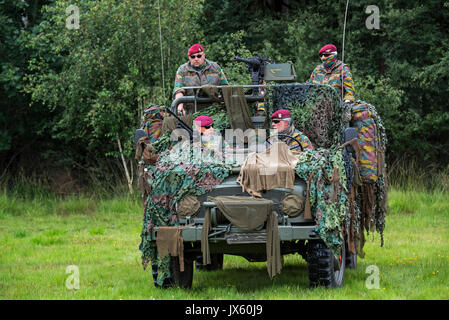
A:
(181, 279)
(324, 269)
(351, 259)
(167, 282)
(177, 279)
(216, 262)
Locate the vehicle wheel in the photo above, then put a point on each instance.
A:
(177, 279)
(216, 260)
(351, 259)
(324, 269)
(167, 282)
(182, 279)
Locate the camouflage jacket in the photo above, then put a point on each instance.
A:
(301, 137)
(333, 77)
(188, 76)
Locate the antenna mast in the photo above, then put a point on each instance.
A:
(343, 47)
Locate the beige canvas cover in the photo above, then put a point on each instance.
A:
(273, 168)
(169, 241)
(247, 214)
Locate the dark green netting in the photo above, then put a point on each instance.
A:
(318, 112)
(315, 110)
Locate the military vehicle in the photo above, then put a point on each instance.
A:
(225, 218)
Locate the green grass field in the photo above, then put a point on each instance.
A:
(41, 238)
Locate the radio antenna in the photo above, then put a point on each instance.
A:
(343, 47)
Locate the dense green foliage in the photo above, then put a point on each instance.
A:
(399, 68)
(68, 95)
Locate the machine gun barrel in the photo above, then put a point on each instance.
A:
(255, 66)
(247, 61)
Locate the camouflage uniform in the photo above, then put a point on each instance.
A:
(333, 77)
(152, 122)
(295, 133)
(189, 76)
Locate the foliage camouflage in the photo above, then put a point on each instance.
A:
(328, 209)
(179, 171)
(318, 112)
(307, 103)
(64, 89)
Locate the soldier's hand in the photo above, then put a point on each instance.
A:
(181, 109)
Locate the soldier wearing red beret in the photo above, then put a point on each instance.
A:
(283, 124)
(334, 72)
(204, 125)
(197, 71)
(208, 137)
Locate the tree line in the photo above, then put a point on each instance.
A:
(73, 94)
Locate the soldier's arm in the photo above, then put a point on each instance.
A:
(348, 85)
(178, 87)
(178, 90)
(312, 77)
(305, 141)
(222, 78)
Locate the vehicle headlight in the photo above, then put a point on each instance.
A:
(188, 206)
(291, 205)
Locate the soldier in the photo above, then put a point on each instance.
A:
(333, 72)
(204, 125)
(283, 124)
(197, 71)
(204, 128)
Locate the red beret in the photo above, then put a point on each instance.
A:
(195, 49)
(281, 114)
(328, 48)
(203, 121)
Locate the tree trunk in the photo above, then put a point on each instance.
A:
(130, 184)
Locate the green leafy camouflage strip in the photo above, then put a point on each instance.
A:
(179, 172)
(327, 196)
(319, 113)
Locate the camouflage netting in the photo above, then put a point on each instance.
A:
(346, 192)
(357, 202)
(179, 172)
(218, 113)
(314, 110)
(370, 194)
(323, 170)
